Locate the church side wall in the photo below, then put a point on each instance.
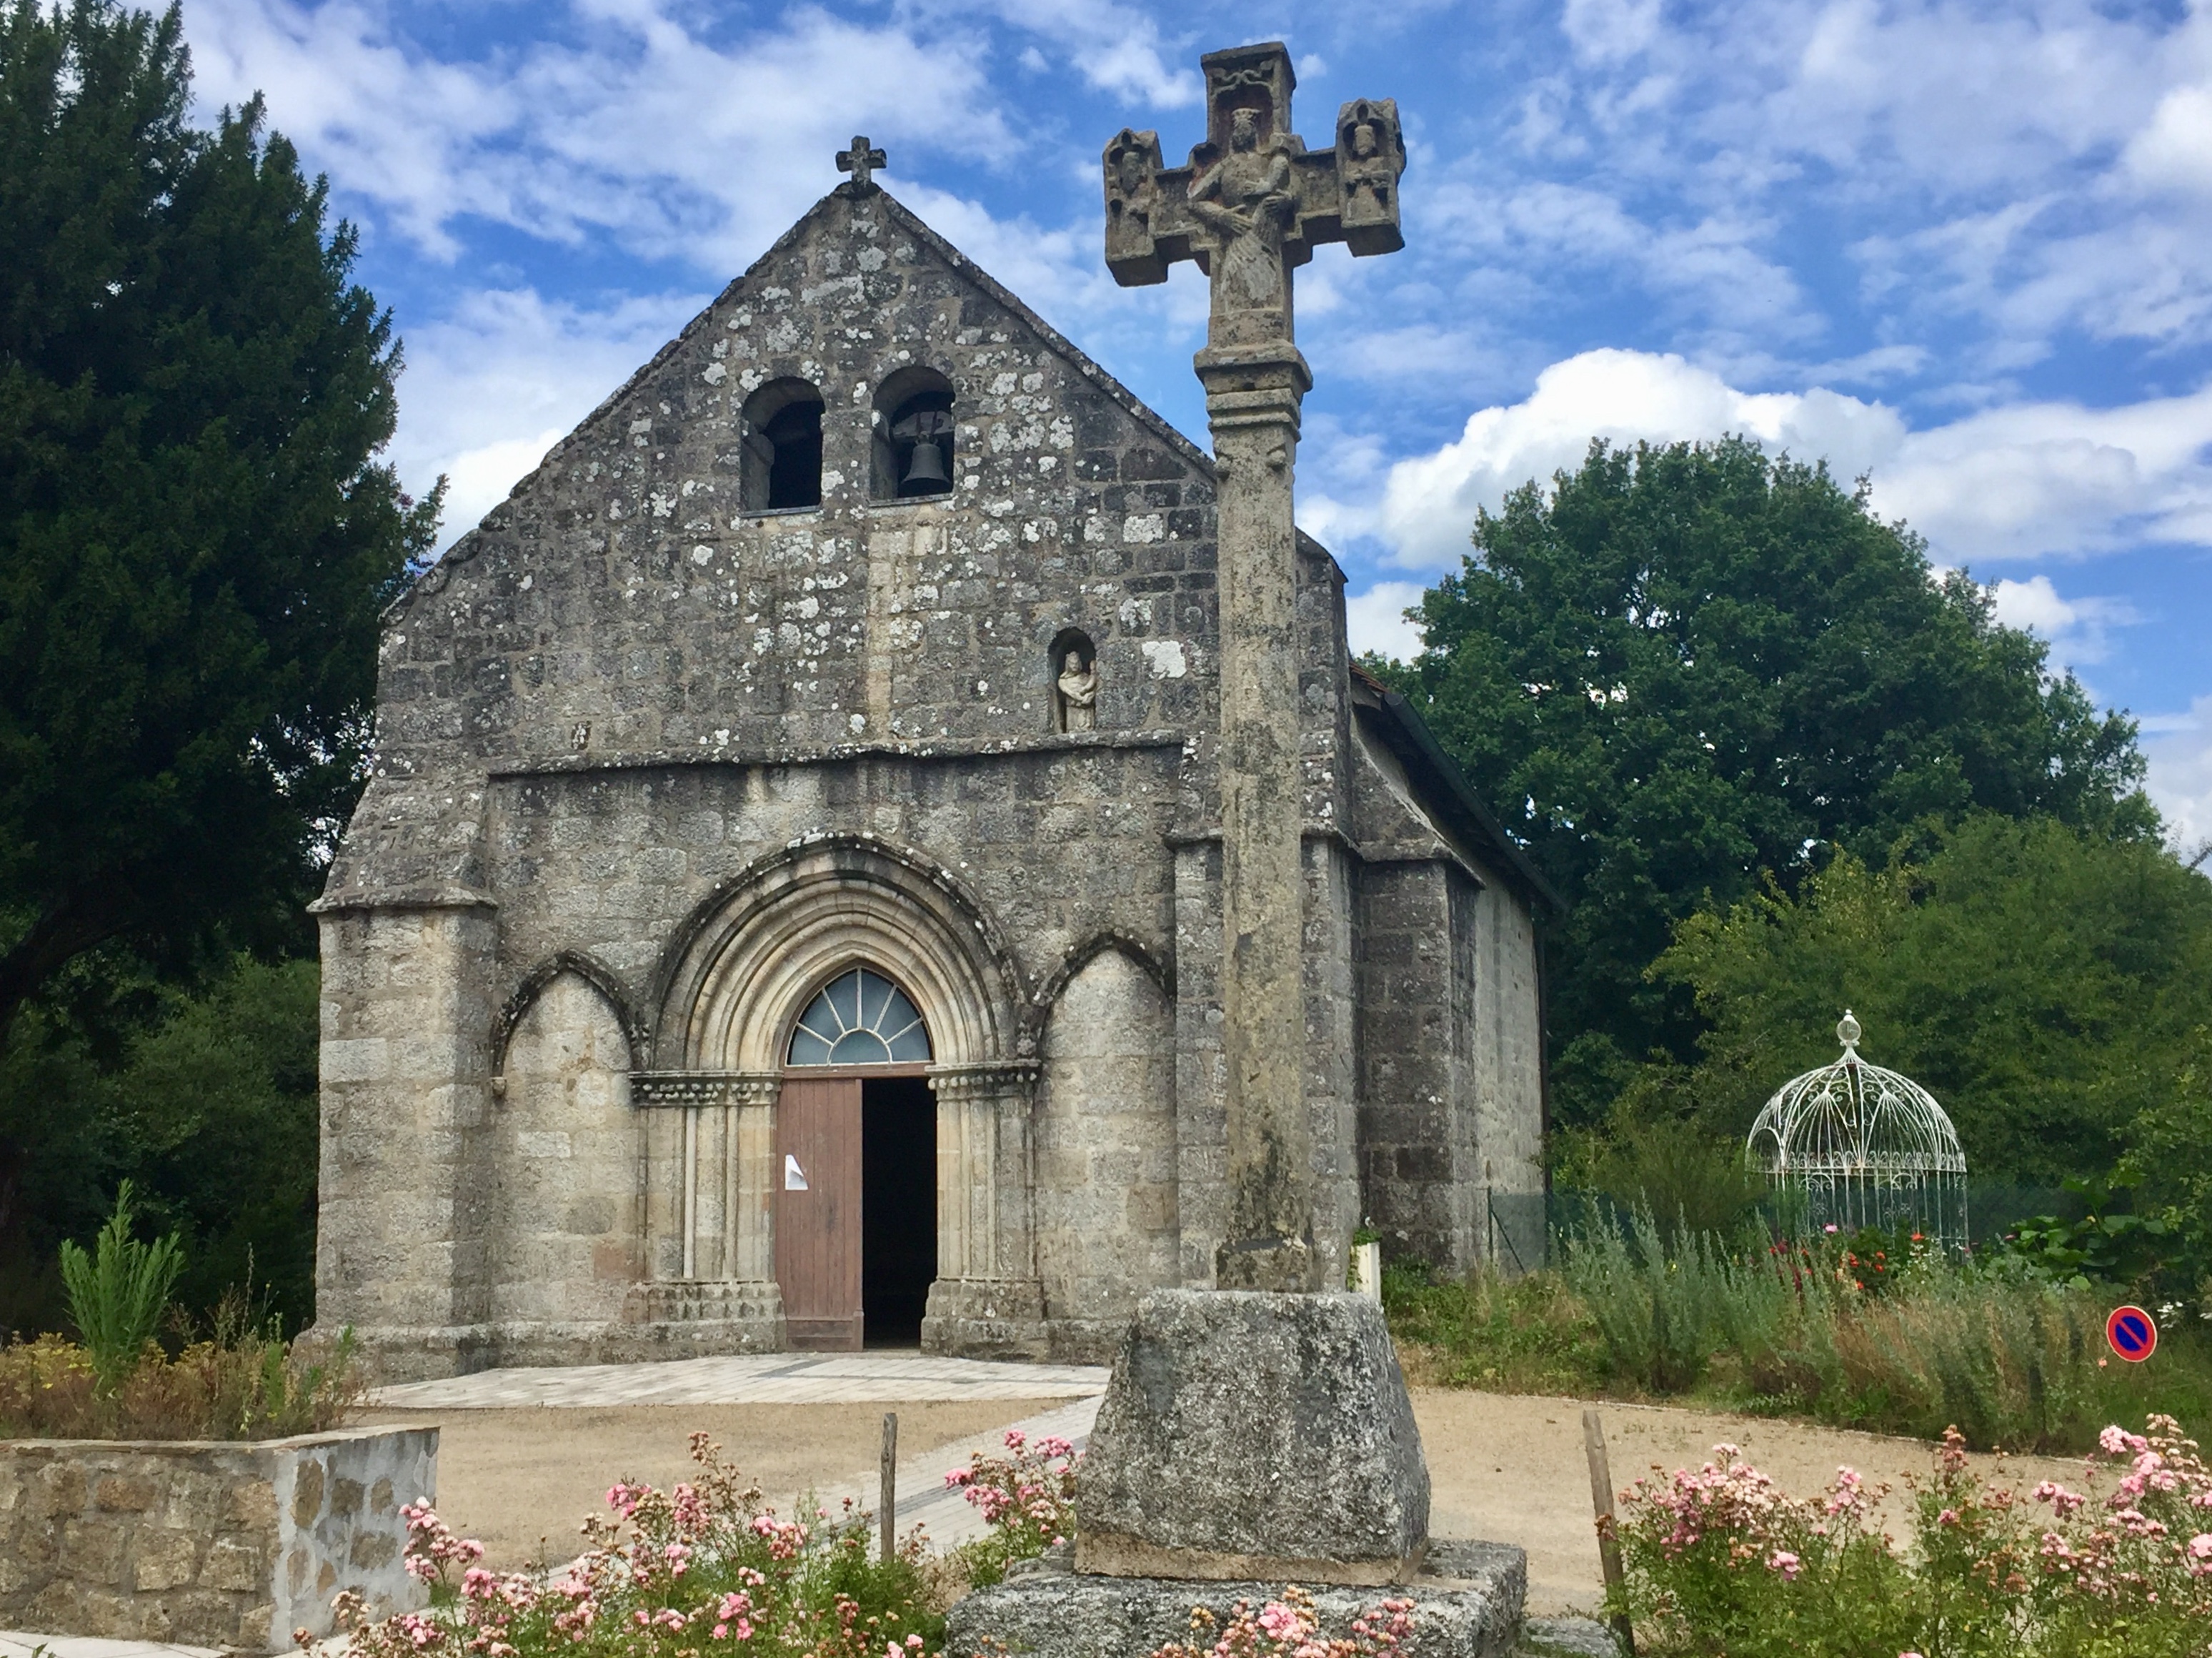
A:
(1413, 1075)
(1507, 1045)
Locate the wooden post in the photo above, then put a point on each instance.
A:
(1608, 1545)
(887, 1498)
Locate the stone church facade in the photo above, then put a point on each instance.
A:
(785, 910)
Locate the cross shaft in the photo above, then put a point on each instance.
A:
(1249, 208)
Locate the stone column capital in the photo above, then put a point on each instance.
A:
(991, 1079)
(704, 1088)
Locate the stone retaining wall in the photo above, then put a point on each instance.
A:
(207, 1544)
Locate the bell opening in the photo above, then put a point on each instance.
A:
(915, 433)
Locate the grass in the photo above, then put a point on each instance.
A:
(2015, 1363)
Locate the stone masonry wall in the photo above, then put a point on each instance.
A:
(205, 1544)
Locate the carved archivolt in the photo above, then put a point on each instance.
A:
(745, 967)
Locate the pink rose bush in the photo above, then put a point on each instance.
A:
(703, 1570)
(1721, 1562)
(1289, 1628)
(1027, 1495)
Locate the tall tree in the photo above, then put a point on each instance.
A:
(196, 535)
(1682, 670)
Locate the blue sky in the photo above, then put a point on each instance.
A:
(1963, 248)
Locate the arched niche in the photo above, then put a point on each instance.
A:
(564, 1234)
(782, 448)
(914, 407)
(1108, 1217)
(1071, 666)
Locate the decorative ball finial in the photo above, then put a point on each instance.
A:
(1847, 1030)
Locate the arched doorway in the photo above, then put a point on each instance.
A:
(856, 1153)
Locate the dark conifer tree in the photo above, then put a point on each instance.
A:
(196, 534)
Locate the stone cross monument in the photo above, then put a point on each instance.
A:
(1262, 1372)
(1252, 204)
(1260, 1432)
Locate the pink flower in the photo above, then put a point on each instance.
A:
(1278, 1620)
(1785, 1562)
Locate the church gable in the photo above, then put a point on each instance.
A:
(729, 559)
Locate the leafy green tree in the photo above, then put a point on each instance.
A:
(209, 1110)
(2053, 988)
(195, 533)
(1684, 670)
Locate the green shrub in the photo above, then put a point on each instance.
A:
(242, 1381)
(1526, 1335)
(1665, 1307)
(117, 1295)
(2009, 1358)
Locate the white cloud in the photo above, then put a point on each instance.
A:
(491, 386)
(2080, 629)
(1429, 502)
(1375, 619)
(2057, 477)
(2180, 750)
(2175, 150)
(680, 146)
(1115, 48)
(2021, 481)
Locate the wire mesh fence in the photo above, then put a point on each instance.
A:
(1525, 1226)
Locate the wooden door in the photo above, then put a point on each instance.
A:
(818, 1212)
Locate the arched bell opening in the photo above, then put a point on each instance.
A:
(782, 448)
(856, 1141)
(914, 436)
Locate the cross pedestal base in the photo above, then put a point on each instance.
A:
(1466, 1603)
(1250, 1435)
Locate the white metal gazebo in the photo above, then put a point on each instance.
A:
(1863, 1147)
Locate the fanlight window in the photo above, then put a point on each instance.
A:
(860, 1018)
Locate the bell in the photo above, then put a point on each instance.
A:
(926, 471)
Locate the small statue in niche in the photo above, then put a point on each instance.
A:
(1078, 689)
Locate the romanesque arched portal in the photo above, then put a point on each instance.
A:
(728, 1104)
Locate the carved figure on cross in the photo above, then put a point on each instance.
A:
(861, 162)
(1253, 202)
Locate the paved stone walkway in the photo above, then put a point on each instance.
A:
(885, 1377)
(15, 1644)
(923, 1497)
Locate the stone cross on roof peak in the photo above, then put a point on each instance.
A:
(861, 162)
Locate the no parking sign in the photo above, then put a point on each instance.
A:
(2132, 1334)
